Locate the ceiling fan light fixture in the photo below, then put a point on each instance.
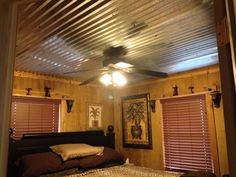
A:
(106, 79)
(123, 65)
(118, 79)
(114, 79)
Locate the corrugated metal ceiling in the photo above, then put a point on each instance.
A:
(57, 36)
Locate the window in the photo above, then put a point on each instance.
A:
(34, 115)
(186, 136)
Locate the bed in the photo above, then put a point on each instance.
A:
(36, 155)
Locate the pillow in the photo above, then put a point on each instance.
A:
(71, 163)
(109, 156)
(70, 151)
(33, 165)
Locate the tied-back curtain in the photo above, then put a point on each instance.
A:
(186, 135)
(34, 115)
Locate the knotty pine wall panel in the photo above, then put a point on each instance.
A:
(77, 120)
(201, 80)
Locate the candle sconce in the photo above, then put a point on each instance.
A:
(29, 91)
(216, 97)
(152, 104)
(69, 104)
(191, 89)
(47, 91)
(175, 90)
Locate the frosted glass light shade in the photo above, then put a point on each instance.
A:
(106, 79)
(118, 79)
(115, 79)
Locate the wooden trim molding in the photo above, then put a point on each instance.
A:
(228, 87)
(231, 11)
(8, 20)
(38, 94)
(39, 76)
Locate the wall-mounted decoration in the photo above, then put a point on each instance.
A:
(152, 104)
(69, 104)
(47, 91)
(216, 97)
(175, 90)
(95, 115)
(191, 89)
(29, 91)
(136, 121)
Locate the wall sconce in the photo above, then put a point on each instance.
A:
(69, 104)
(175, 90)
(47, 91)
(191, 89)
(152, 104)
(29, 91)
(216, 97)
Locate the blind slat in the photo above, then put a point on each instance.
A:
(34, 115)
(186, 136)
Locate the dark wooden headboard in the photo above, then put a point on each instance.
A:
(40, 142)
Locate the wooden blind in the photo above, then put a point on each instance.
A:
(34, 115)
(186, 136)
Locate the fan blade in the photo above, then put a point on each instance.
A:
(85, 70)
(91, 79)
(148, 72)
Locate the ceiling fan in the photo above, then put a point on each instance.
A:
(114, 61)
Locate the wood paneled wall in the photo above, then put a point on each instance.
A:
(77, 120)
(201, 80)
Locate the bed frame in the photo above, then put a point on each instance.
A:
(40, 142)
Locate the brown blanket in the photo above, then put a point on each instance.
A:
(198, 174)
(127, 171)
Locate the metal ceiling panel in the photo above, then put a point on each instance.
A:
(58, 36)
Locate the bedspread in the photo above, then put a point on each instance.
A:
(126, 171)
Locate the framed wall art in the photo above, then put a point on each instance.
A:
(95, 115)
(136, 121)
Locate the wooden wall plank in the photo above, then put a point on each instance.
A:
(7, 51)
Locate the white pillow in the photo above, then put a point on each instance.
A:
(70, 151)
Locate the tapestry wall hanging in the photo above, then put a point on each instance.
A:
(136, 121)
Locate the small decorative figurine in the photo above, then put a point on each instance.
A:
(47, 91)
(175, 91)
(191, 89)
(29, 91)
